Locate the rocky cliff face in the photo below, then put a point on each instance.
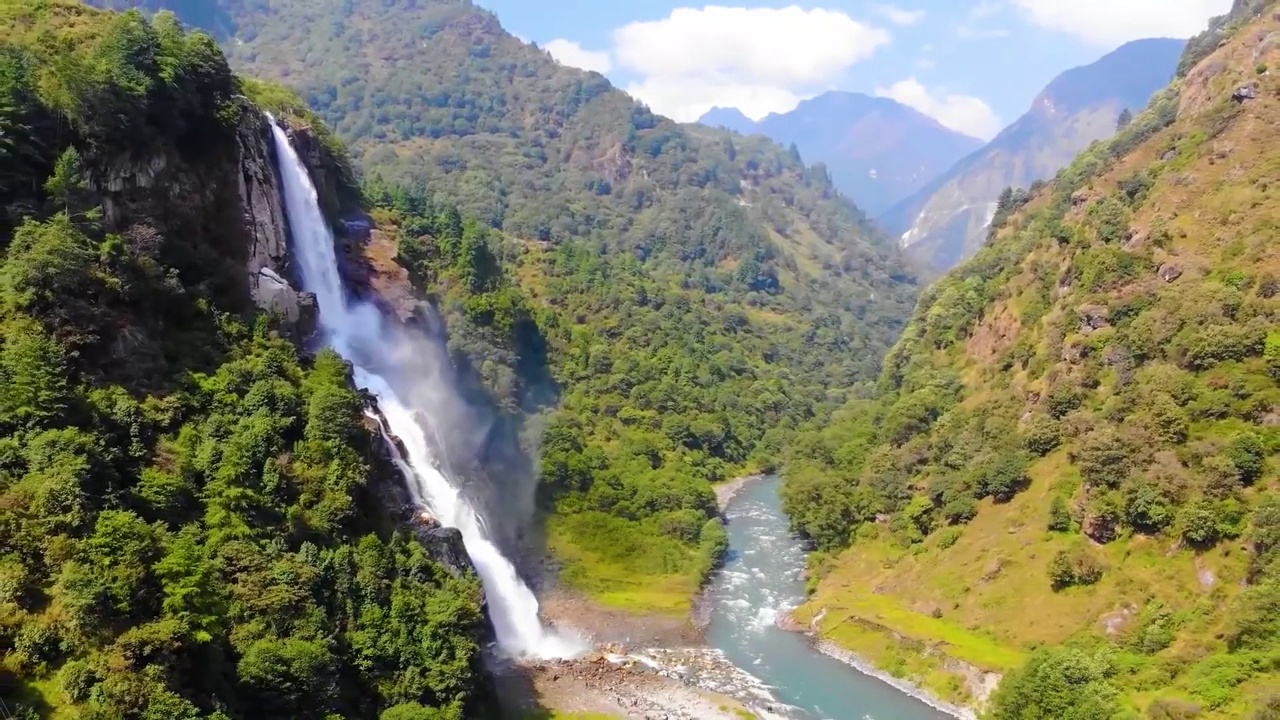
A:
(232, 193)
(266, 225)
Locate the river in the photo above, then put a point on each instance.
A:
(762, 578)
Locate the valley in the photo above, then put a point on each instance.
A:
(361, 359)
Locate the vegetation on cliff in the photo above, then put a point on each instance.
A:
(1075, 442)
(668, 301)
(189, 525)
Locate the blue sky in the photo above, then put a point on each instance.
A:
(975, 66)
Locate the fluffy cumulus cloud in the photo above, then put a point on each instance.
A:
(568, 52)
(759, 60)
(899, 16)
(962, 113)
(1114, 22)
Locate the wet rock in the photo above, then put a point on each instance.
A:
(262, 206)
(445, 546)
(298, 309)
(1169, 272)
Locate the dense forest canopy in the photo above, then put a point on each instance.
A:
(190, 520)
(666, 303)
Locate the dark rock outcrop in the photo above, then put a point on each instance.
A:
(267, 227)
(443, 544)
(1092, 317)
(1169, 272)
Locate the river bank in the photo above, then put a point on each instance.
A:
(739, 646)
(608, 685)
(831, 650)
(729, 489)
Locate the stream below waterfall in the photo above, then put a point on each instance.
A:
(776, 672)
(763, 578)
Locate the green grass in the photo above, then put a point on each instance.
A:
(622, 581)
(952, 640)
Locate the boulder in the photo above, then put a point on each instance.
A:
(1169, 272)
(1092, 317)
(1099, 528)
(1245, 92)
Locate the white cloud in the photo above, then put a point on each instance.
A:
(759, 60)
(1113, 22)
(963, 113)
(925, 63)
(568, 52)
(898, 16)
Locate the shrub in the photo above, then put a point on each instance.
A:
(1059, 515)
(77, 679)
(36, 645)
(948, 536)
(1076, 565)
(1248, 455)
(1198, 523)
(1042, 436)
(1058, 682)
(1222, 343)
(1063, 399)
(1172, 709)
(1105, 459)
(1002, 476)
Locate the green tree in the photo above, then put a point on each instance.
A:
(1063, 683)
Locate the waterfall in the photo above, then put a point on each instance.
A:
(357, 331)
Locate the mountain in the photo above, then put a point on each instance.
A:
(1069, 475)
(947, 220)
(655, 306)
(730, 119)
(197, 519)
(878, 150)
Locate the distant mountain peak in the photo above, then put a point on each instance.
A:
(730, 118)
(878, 150)
(947, 221)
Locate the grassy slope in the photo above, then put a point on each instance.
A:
(985, 598)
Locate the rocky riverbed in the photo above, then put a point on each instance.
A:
(623, 686)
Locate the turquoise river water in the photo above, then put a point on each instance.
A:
(763, 578)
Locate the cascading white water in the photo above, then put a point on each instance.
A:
(356, 331)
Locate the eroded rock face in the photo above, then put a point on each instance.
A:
(267, 225)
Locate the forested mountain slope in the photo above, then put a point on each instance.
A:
(946, 222)
(193, 520)
(694, 295)
(1069, 474)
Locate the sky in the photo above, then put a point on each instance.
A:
(974, 66)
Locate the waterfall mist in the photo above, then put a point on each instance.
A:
(410, 376)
